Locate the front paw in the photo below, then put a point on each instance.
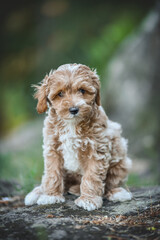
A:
(89, 203)
(46, 199)
(31, 198)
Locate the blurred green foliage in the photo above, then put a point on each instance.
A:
(41, 35)
(101, 49)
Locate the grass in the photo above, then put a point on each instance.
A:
(23, 163)
(135, 180)
(26, 167)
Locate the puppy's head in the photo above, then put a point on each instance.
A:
(72, 91)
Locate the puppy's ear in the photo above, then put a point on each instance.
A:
(41, 95)
(98, 98)
(96, 83)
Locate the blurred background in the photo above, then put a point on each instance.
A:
(121, 39)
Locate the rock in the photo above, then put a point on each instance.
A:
(132, 91)
(138, 218)
(9, 188)
(59, 234)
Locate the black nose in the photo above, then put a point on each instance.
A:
(74, 110)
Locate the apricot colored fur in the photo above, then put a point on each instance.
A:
(84, 153)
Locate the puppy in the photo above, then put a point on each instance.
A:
(83, 150)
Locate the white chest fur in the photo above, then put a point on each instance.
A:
(70, 144)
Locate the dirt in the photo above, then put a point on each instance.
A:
(136, 219)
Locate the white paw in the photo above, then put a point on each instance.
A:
(120, 196)
(46, 199)
(31, 198)
(89, 203)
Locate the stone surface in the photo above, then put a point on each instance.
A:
(136, 219)
(131, 95)
(8, 188)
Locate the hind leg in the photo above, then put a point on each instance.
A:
(75, 190)
(119, 194)
(117, 174)
(72, 183)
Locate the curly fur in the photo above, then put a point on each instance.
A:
(84, 153)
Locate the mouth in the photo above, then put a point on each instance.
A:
(72, 116)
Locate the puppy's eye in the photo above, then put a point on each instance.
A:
(81, 90)
(60, 94)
